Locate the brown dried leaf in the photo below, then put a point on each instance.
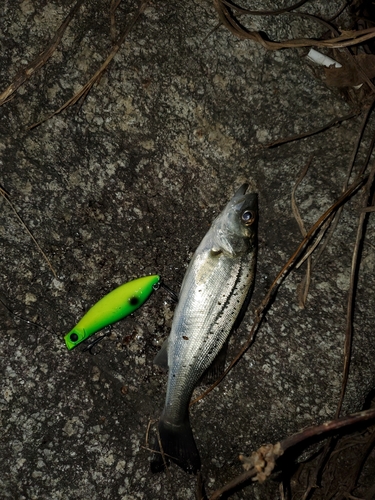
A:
(348, 75)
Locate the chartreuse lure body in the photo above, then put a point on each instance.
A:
(119, 303)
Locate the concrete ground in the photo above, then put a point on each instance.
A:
(126, 183)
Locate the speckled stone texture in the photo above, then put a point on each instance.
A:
(127, 185)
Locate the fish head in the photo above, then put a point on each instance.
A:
(234, 231)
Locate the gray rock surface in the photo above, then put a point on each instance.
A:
(127, 185)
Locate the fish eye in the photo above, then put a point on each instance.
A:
(248, 217)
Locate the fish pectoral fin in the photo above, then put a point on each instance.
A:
(216, 251)
(217, 367)
(178, 446)
(161, 359)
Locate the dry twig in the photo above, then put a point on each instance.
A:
(336, 217)
(261, 463)
(367, 195)
(315, 131)
(82, 93)
(5, 195)
(275, 12)
(303, 290)
(40, 60)
(114, 5)
(345, 39)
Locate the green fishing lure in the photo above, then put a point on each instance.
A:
(119, 303)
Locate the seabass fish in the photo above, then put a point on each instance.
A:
(214, 292)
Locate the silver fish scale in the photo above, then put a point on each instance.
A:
(212, 295)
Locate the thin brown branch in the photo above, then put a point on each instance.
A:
(315, 131)
(367, 195)
(336, 217)
(331, 426)
(304, 289)
(315, 243)
(345, 39)
(354, 268)
(41, 59)
(338, 13)
(260, 312)
(82, 93)
(317, 19)
(304, 285)
(275, 12)
(260, 464)
(328, 448)
(347, 50)
(112, 12)
(235, 483)
(295, 210)
(5, 195)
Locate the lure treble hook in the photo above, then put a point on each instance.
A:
(96, 341)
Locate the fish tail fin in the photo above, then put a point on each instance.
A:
(178, 446)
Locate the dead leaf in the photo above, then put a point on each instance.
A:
(349, 74)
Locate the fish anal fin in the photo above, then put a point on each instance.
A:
(217, 367)
(161, 359)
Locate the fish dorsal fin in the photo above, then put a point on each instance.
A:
(161, 359)
(217, 367)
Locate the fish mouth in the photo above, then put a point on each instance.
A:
(240, 191)
(240, 198)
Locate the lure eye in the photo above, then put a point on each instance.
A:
(74, 337)
(248, 217)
